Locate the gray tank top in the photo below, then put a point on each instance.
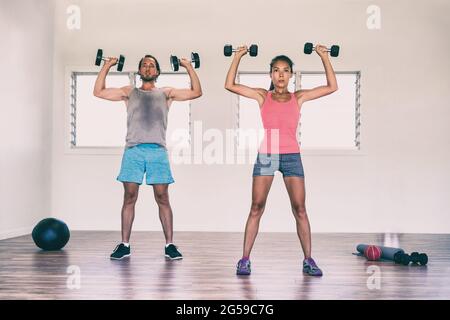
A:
(146, 117)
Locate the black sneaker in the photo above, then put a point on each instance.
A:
(120, 252)
(172, 252)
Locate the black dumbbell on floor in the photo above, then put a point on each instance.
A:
(99, 58)
(228, 50)
(309, 48)
(415, 258)
(419, 258)
(175, 62)
(402, 258)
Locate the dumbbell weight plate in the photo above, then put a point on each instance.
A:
(402, 258)
(98, 59)
(120, 63)
(253, 50)
(174, 63)
(334, 52)
(195, 58)
(308, 48)
(227, 50)
(405, 259)
(414, 257)
(423, 259)
(397, 257)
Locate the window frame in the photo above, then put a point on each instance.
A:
(357, 150)
(71, 74)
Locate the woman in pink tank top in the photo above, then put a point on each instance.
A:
(279, 151)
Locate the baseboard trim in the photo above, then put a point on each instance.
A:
(7, 234)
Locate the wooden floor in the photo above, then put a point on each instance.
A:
(208, 268)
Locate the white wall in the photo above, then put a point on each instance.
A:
(26, 30)
(398, 183)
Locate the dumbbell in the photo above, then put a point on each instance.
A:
(99, 58)
(419, 258)
(309, 48)
(415, 258)
(175, 62)
(402, 258)
(228, 50)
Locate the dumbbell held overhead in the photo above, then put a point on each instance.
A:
(99, 58)
(309, 48)
(228, 50)
(175, 62)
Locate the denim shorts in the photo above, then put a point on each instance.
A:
(148, 158)
(289, 164)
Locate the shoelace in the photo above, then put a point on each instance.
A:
(117, 247)
(242, 265)
(312, 264)
(175, 248)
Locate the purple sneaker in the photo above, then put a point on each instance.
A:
(243, 267)
(310, 267)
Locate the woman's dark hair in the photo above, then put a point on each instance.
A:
(156, 62)
(280, 58)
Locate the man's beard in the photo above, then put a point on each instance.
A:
(148, 79)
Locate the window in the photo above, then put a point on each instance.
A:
(330, 122)
(100, 123)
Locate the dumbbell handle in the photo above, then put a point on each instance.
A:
(179, 60)
(236, 50)
(328, 49)
(106, 59)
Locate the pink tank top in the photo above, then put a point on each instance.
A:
(280, 120)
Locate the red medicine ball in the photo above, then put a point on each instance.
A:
(372, 253)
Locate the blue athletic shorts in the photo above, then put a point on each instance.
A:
(149, 158)
(289, 164)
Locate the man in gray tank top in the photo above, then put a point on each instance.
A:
(145, 149)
